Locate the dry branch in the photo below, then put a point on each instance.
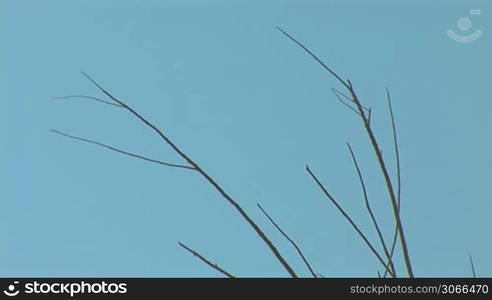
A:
(87, 97)
(361, 109)
(121, 151)
(208, 262)
(303, 257)
(349, 219)
(202, 172)
(371, 213)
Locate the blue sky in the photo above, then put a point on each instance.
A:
(252, 109)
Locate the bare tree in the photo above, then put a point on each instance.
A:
(351, 100)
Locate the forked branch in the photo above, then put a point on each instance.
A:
(361, 109)
(291, 241)
(202, 172)
(371, 213)
(349, 219)
(387, 178)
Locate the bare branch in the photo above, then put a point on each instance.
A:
(314, 56)
(382, 164)
(472, 266)
(349, 219)
(202, 172)
(211, 264)
(387, 178)
(369, 209)
(290, 240)
(87, 97)
(121, 151)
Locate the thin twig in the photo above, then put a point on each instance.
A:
(369, 209)
(349, 219)
(472, 266)
(337, 94)
(314, 56)
(348, 98)
(342, 94)
(87, 97)
(121, 151)
(397, 151)
(289, 239)
(202, 172)
(211, 264)
(398, 171)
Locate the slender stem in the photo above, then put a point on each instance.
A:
(349, 219)
(121, 151)
(398, 169)
(87, 97)
(313, 56)
(211, 264)
(369, 209)
(289, 239)
(397, 151)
